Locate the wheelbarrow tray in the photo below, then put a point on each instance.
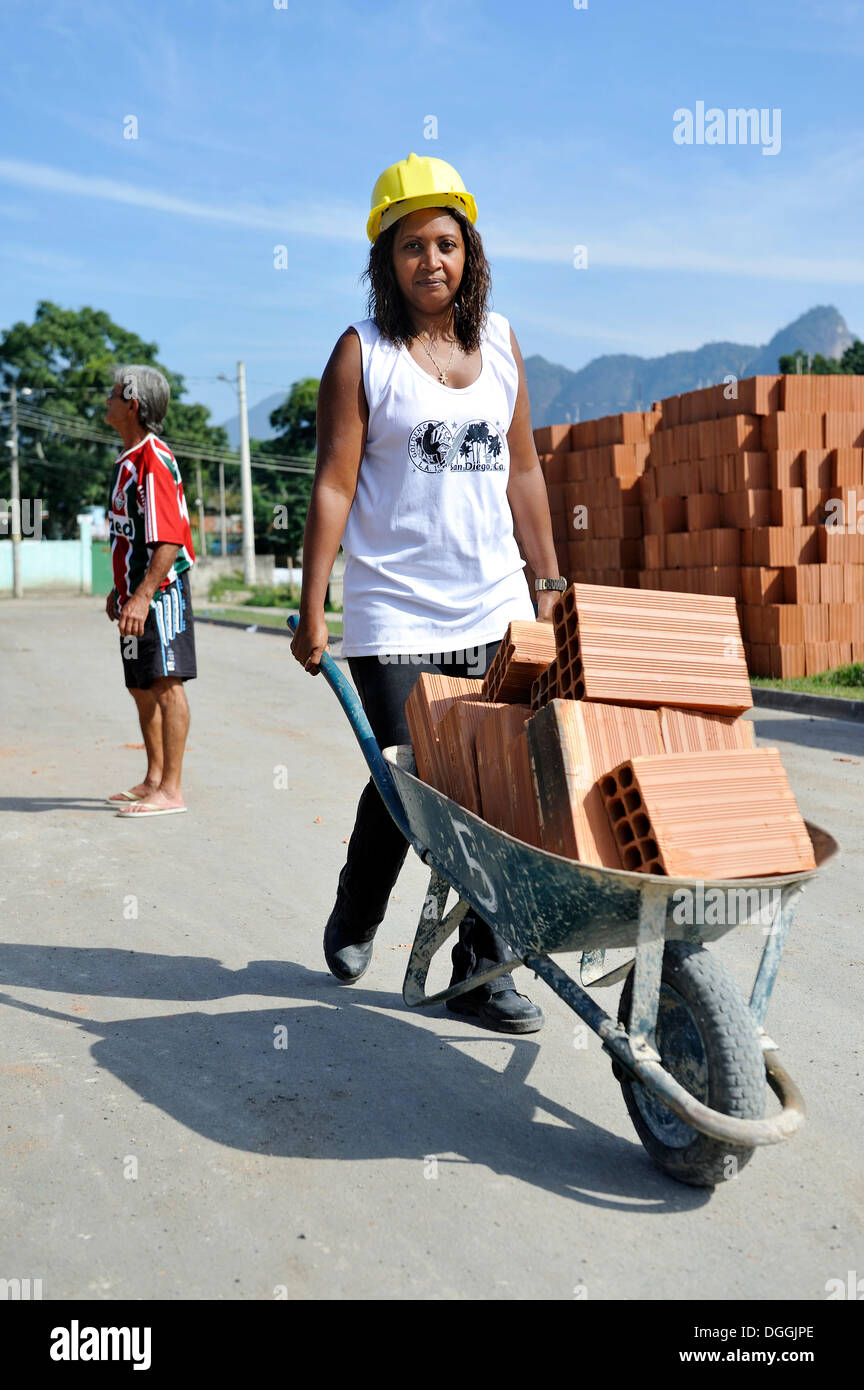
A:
(540, 902)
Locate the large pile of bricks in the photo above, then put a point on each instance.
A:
(752, 490)
(593, 473)
(613, 736)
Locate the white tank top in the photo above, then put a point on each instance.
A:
(432, 564)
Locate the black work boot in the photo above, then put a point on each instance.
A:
(347, 948)
(376, 853)
(495, 1005)
(346, 957)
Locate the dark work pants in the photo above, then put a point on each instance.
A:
(377, 848)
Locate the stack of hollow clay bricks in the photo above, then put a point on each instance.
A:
(614, 736)
(753, 490)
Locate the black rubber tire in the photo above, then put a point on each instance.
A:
(700, 1001)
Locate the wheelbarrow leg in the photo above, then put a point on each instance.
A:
(769, 963)
(647, 970)
(433, 930)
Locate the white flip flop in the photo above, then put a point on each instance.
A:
(128, 814)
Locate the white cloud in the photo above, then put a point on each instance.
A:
(338, 223)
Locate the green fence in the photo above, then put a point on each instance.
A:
(103, 580)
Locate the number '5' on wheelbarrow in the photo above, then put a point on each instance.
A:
(690, 1053)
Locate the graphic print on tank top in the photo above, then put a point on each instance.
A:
(476, 446)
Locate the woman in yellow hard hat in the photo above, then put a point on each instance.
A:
(426, 461)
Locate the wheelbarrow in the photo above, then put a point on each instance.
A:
(690, 1053)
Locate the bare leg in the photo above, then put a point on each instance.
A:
(170, 699)
(150, 719)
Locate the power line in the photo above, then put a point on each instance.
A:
(72, 426)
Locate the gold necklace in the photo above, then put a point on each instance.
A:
(442, 374)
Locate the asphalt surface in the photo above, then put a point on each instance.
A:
(193, 1108)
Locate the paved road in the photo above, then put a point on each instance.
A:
(156, 1144)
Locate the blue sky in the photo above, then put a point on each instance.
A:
(261, 126)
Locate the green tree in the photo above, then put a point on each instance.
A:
(64, 362)
(853, 358)
(281, 499)
(851, 362)
(295, 419)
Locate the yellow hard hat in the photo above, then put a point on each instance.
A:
(416, 182)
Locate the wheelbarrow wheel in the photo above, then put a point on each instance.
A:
(707, 1040)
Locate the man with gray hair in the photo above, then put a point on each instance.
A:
(151, 555)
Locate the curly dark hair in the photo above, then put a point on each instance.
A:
(386, 303)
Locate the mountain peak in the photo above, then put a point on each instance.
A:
(609, 384)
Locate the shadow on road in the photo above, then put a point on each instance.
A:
(54, 803)
(834, 735)
(335, 1078)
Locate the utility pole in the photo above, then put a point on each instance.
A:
(246, 481)
(223, 521)
(15, 499)
(202, 535)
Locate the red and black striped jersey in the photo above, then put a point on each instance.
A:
(147, 507)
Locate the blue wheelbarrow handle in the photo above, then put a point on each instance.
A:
(381, 774)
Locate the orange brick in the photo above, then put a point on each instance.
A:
(756, 395)
(750, 507)
(839, 654)
(760, 585)
(792, 430)
(552, 439)
(800, 584)
(751, 470)
(848, 468)
(780, 545)
(844, 429)
(457, 734)
(574, 466)
(725, 464)
(815, 658)
(782, 623)
(555, 471)
(526, 818)
(655, 552)
(691, 731)
(726, 814)
(831, 585)
(570, 743)
(725, 546)
(646, 647)
(707, 475)
(840, 547)
(815, 622)
(817, 468)
(840, 622)
(760, 659)
(787, 507)
(493, 771)
(666, 514)
(787, 661)
(786, 468)
(426, 706)
(526, 650)
(853, 584)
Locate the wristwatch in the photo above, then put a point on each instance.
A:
(558, 585)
